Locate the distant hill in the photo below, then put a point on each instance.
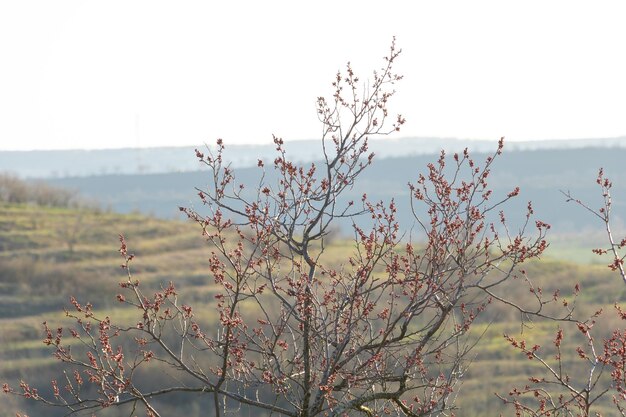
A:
(540, 174)
(80, 163)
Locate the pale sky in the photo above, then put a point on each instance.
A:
(110, 74)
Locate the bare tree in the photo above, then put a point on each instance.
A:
(386, 332)
(580, 379)
(15, 190)
(71, 232)
(604, 215)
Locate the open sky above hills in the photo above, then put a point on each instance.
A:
(153, 73)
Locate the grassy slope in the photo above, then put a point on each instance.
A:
(39, 271)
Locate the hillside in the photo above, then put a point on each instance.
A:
(39, 271)
(540, 174)
(130, 161)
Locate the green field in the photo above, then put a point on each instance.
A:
(48, 254)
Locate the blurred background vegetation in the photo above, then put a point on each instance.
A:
(56, 243)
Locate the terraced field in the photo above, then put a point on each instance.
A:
(48, 254)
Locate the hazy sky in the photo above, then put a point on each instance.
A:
(86, 74)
